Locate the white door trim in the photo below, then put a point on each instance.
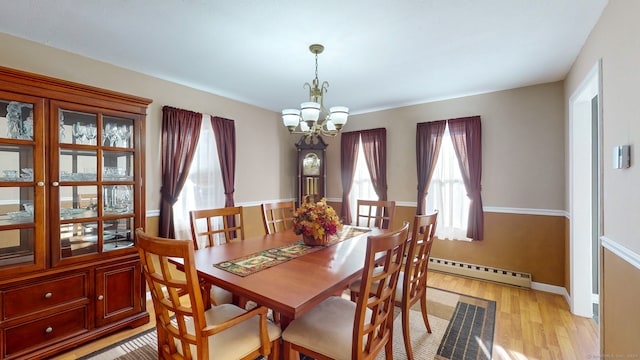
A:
(581, 191)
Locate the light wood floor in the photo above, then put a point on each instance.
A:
(529, 325)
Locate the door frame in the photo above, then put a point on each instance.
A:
(585, 189)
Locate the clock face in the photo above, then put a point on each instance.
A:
(311, 165)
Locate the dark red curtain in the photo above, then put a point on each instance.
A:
(374, 147)
(180, 133)
(466, 138)
(349, 143)
(225, 133)
(428, 142)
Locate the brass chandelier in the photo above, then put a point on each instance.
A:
(313, 118)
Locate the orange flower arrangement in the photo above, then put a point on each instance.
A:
(315, 220)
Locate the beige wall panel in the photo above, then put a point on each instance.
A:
(620, 316)
(528, 243)
(263, 152)
(522, 145)
(614, 40)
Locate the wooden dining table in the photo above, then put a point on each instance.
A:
(293, 287)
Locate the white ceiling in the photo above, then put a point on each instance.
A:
(378, 53)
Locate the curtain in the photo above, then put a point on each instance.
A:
(428, 142)
(349, 142)
(225, 133)
(180, 133)
(374, 146)
(466, 138)
(204, 186)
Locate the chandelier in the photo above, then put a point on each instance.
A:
(313, 118)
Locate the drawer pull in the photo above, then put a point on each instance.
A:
(48, 330)
(100, 297)
(48, 295)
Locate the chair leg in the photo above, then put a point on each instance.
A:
(288, 353)
(388, 348)
(405, 331)
(423, 307)
(275, 350)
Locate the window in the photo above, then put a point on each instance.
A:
(447, 193)
(362, 187)
(204, 188)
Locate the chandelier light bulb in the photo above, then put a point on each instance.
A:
(310, 111)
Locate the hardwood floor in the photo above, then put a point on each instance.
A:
(529, 325)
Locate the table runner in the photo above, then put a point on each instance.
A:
(265, 259)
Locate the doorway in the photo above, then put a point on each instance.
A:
(584, 194)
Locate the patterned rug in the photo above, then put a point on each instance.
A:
(265, 259)
(462, 328)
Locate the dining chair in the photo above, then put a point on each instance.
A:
(221, 224)
(412, 285)
(185, 329)
(211, 226)
(375, 213)
(341, 329)
(277, 216)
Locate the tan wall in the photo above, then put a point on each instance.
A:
(614, 41)
(264, 152)
(620, 293)
(528, 243)
(522, 145)
(522, 139)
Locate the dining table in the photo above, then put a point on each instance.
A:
(292, 287)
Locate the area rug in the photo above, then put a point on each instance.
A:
(462, 328)
(265, 259)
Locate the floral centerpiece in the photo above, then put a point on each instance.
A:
(316, 221)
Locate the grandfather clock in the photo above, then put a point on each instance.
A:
(311, 167)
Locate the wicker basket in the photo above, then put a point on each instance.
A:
(311, 241)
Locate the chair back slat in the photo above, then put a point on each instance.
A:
(210, 227)
(375, 213)
(418, 253)
(277, 216)
(372, 333)
(166, 285)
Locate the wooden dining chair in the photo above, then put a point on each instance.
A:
(340, 329)
(375, 213)
(277, 216)
(412, 285)
(223, 225)
(185, 329)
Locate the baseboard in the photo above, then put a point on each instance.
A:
(481, 272)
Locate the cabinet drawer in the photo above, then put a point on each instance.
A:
(44, 294)
(46, 330)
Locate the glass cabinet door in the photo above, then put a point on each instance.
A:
(21, 185)
(93, 183)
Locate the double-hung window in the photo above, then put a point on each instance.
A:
(362, 187)
(447, 194)
(204, 188)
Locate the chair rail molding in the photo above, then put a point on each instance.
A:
(621, 251)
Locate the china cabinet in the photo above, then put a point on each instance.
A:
(71, 196)
(311, 167)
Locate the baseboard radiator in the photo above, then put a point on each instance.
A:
(481, 272)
